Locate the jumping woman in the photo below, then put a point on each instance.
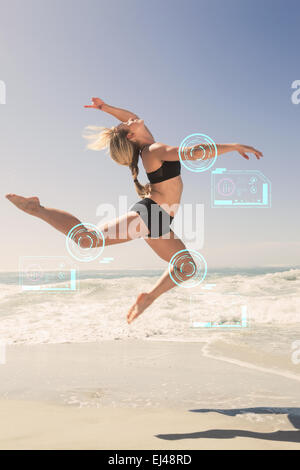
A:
(154, 213)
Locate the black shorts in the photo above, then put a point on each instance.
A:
(154, 216)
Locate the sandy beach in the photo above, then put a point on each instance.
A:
(146, 395)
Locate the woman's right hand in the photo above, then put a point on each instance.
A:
(97, 103)
(243, 150)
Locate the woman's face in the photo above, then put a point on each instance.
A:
(135, 124)
(135, 127)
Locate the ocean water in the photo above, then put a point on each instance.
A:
(97, 310)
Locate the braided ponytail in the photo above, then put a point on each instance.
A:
(142, 190)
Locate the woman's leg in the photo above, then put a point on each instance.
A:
(165, 248)
(123, 229)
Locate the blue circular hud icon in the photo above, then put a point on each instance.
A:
(187, 268)
(206, 156)
(226, 187)
(85, 242)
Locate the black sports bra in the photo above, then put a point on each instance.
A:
(167, 171)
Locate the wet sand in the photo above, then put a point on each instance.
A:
(146, 395)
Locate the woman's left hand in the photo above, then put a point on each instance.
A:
(244, 149)
(97, 103)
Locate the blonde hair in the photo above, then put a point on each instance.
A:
(121, 150)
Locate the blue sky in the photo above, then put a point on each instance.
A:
(219, 67)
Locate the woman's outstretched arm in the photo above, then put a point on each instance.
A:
(119, 113)
(243, 150)
(204, 152)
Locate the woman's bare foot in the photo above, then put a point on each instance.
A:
(26, 204)
(142, 302)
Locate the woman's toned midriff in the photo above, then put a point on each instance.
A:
(168, 194)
